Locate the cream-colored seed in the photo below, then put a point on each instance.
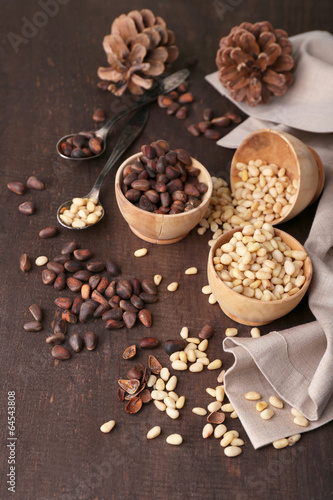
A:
(183, 356)
(219, 431)
(157, 279)
(261, 405)
(255, 332)
(220, 393)
(207, 431)
(92, 218)
(140, 252)
(228, 408)
(267, 414)
(215, 365)
(172, 383)
(276, 402)
(160, 405)
(191, 270)
(252, 396)
(78, 223)
(191, 357)
(221, 377)
(231, 332)
(184, 332)
(164, 374)
(280, 443)
(172, 287)
(234, 414)
(293, 439)
(237, 442)
(158, 394)
(174, 439)
(66, 220)
(211, 299)
(206, 290)
(296, 413)
(233, 432)
(211, 392)
(151, 381)
(226, 440)
(108, 426)
(154, 432)
(301, 421)
(203, 345)
(41, 260)
(79, 202)
(172, 413)
(203, 361)
(180, 402)
(160, 385)
(214, 406)
(175, 356)
(179, 365)
(169, 402)
(190, 346)
(173, 395)
(199, 354)
(199, 411)
(193, 340)
(196, 367)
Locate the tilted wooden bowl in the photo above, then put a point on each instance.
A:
(159, 228)
(300, 161)
(251, 311)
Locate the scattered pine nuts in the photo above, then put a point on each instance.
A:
(108, 426)
(301, 421)
(219, 431)
(226, 440)
(191, 270)
(159, 405)
(211, 392)
(211, 299)
(179, 365)
(280, 443)
(232, 451)
(262, 405)
(221, 377)
(141, 252)
(157, 279)
(184, 332)
(231, 332)
(160, 385)
(255, 332)
(164, 374)
(206, 290)
(220, 393)
(252, 396)
(237, 442)
(296, 413)
(207, 431)
(174, 439)
(276, 402)
(41, 260)
(172, 287)
(233, 415)
(228, 408)
(172, 383)
(293, 439)
(215, 365)
(180, 402)
(196, 367)
(214, 406)
(199, 411)
(151, 381)
(172, 413)
(267, 414)
(154, 432)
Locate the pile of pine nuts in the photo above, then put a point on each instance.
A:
(82, 212)
(259, 265)
(263, 192)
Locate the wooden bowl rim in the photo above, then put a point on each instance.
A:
(239, 296)
(207, 195)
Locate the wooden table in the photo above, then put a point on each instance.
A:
(48, 83)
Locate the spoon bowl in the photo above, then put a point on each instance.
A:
(98, 133)
(67, 205)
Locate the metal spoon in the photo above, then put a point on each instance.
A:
(165, 86)
(127, 137)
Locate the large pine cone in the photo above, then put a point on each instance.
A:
(255, 62)
(137, 49)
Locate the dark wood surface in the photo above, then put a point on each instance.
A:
(48, 88)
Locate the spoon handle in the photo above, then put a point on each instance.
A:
(127, 137)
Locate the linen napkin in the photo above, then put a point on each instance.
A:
(295, 364)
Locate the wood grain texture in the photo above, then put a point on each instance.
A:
(48, 89)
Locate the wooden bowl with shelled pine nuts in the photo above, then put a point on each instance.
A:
(256, 282)
(274, 176)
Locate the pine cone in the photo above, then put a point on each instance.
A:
(137, 49)
(255, 62)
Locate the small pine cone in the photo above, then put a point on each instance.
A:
(137, 49)
(255, 62)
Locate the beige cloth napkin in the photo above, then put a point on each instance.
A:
(295, 364)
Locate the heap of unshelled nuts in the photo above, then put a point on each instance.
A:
(82, 145)
(163, 181)
(118, 302)
(210, 125)
(260, 265)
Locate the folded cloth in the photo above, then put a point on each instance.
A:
(295, 364)
(308, 103)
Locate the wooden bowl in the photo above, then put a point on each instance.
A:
(159, 228)
(251, 311)
(300, 161)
